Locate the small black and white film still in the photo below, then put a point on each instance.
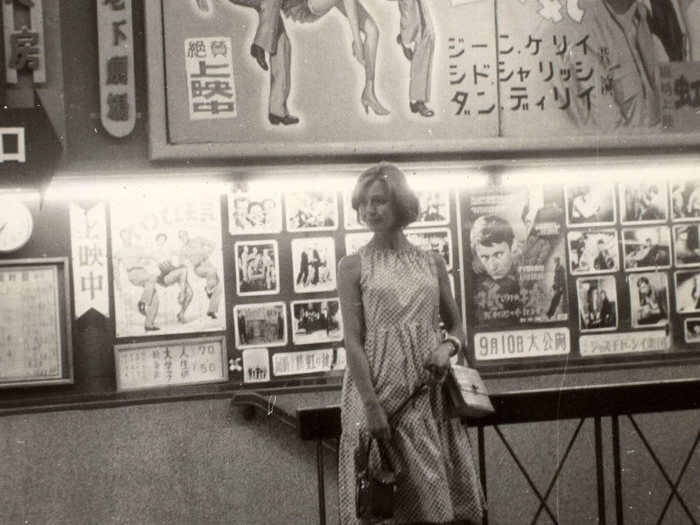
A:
(256, 365)
(260, 324)
(257, 268)
(593, 252)
(686, 245)
(434, 208)
(687, 291)
(252, 212)
(316, 321)
(437, 240)
(597, 303)
(311, 211)
(648, 299)
(692, 330)
(590, 204)
(646, 247)
(685, 199)
(643, 203)
(314, 264)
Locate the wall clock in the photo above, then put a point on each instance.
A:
(16, 225)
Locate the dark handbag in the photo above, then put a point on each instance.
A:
(375, 488)
(466, 393)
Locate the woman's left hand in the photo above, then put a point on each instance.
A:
(438, 364)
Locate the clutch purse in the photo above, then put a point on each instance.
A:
(466, 393)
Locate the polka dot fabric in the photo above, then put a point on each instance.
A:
(437, 481)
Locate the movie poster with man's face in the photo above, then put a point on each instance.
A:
(515, 240)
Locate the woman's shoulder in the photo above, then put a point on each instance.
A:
(350, 266)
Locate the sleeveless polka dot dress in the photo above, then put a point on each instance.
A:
(437, 480)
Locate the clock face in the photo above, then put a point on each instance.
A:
(16, 225)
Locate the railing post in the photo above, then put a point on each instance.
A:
(599, 469)
(321, 484)
(618, 470)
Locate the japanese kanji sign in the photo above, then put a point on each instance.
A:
(210, 81)
(680, 96)
(89, 254)
(116, 63)
(163, 364)
(23, 29)
(624, 343)
(520, 344)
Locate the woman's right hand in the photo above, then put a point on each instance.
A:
(378, 422)
(358, 51)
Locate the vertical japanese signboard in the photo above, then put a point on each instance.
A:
(89, 255)
(116, 64)
(23, 29)
(210, 81)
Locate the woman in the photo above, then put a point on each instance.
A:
(392, 295)
(365, 51)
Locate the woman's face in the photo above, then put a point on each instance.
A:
(376, 208)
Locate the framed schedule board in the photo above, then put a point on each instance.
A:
(35, 328)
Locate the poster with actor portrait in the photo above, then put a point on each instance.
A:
(167, 265)
(685, 199)
(593, 252)
(316, 321)
(590, 204)
(433, 208)
(643, 202)
(687, 291)
(311, 211)
(646, 247)
(257, 268)
(313, 262)
(251, 212)
(517, 258)
(437, 240)
(260, 324)
(597, 303)
(686, 245)
(648, 299)
(692, 330)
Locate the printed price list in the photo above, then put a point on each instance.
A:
(30, 346)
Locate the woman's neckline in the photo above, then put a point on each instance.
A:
(402, 245)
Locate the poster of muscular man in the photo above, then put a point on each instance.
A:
(516, 248)
(167, 265)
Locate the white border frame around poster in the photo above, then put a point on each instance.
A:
(161, 148)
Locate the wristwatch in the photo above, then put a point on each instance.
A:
(454, 342)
